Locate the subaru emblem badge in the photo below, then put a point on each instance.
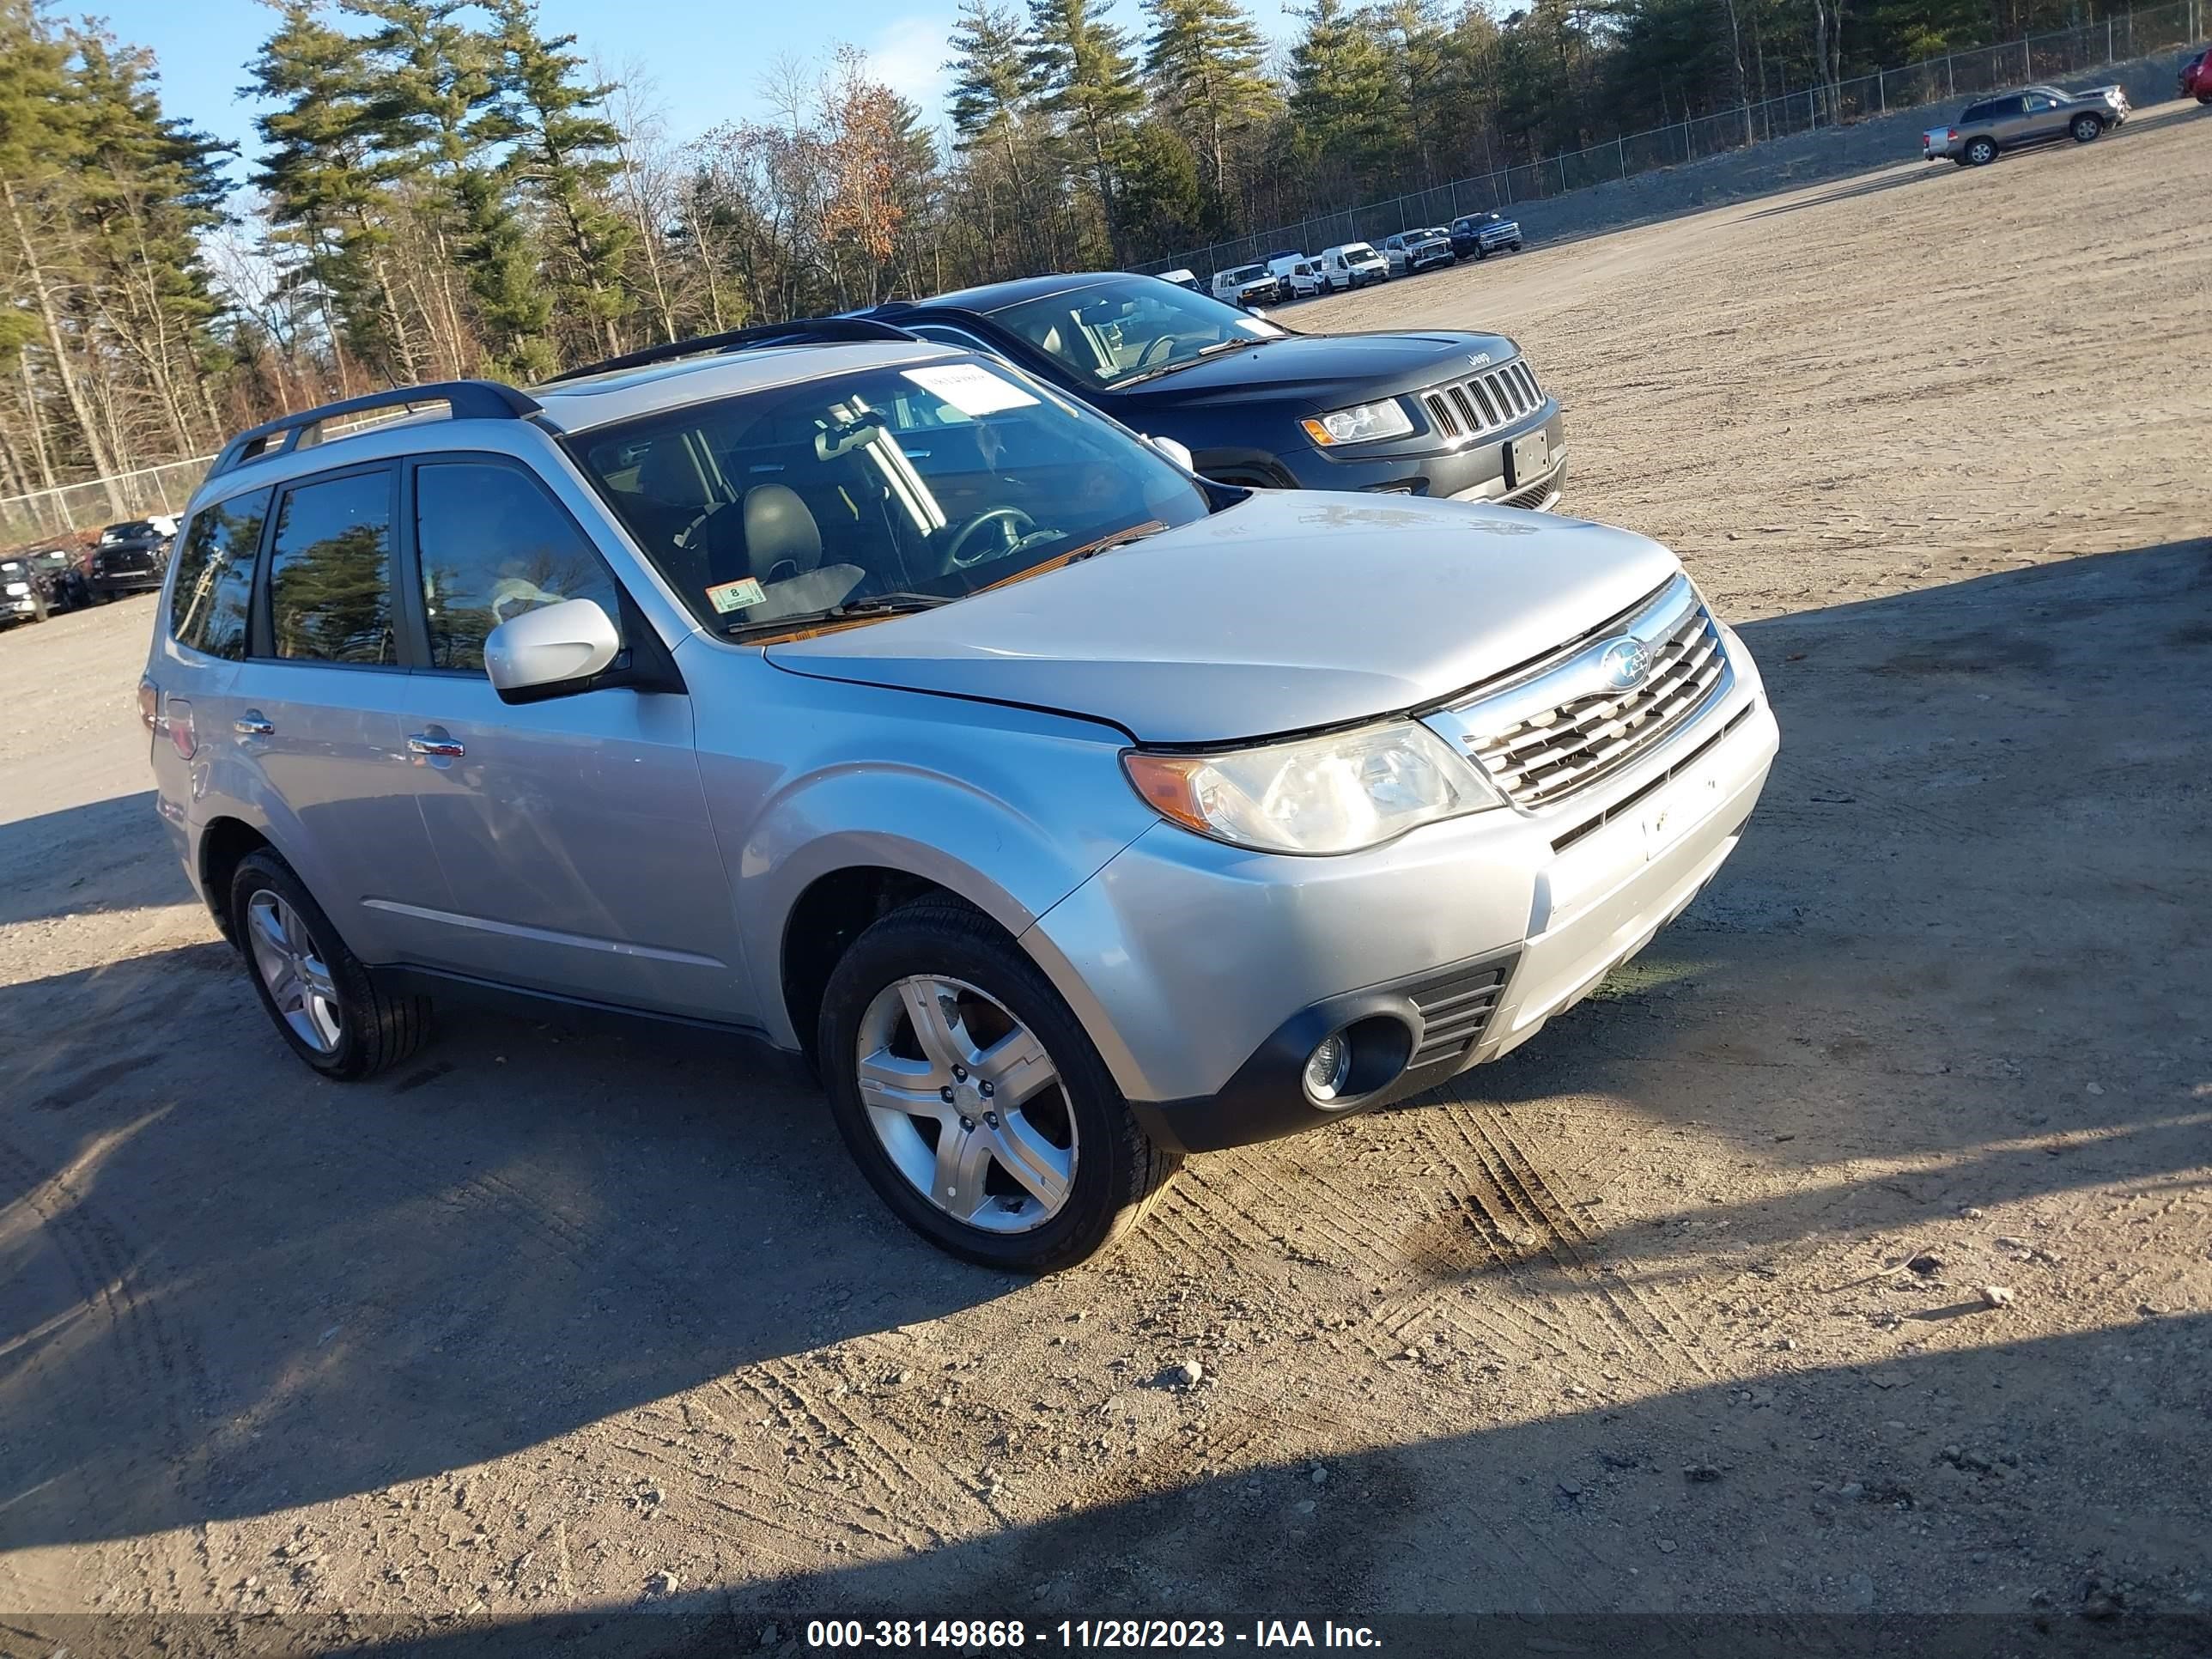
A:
(1625, 662)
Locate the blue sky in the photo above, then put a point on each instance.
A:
(705, 59)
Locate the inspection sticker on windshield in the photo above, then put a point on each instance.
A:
(737, 595)
(970, 388)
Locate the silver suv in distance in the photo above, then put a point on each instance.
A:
(1069, 812)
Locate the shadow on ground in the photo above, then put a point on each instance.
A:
(207, 1253)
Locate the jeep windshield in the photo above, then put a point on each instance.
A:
(1117, 332)
(855, 497)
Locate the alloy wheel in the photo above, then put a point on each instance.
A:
(293, 968)
(966, 1103)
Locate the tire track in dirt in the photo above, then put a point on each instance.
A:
(162, 1374)
(1648, 1313)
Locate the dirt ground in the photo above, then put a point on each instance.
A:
(561, 1321)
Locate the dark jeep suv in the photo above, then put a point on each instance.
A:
(1434, 413)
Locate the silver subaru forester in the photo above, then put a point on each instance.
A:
(1068, 812)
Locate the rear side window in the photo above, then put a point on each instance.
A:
(211, 602)
(330, 572)
(1977, 113)
(492, 545)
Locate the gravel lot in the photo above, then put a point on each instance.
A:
(1678, 1311)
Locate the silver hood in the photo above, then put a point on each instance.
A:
(1294, 609)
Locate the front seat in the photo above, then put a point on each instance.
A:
(782, 541)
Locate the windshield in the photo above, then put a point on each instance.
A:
(1245, 273)
(1355, 251)
(902, 486)
(1114, 332)
(136, 530)
(12, 568)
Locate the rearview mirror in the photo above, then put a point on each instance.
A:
(549, 651)
(1179, 453)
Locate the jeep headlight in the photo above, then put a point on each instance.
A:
(1329, 794)
(1359, 424)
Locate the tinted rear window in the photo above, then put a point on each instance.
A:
(208, 607)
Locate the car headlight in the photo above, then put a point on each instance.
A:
(16, 590)
(1359, 424)
(1329, 794)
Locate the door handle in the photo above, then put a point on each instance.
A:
(439, 748)
(254, 724)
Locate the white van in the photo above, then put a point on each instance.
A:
(1299, 273)
(1354, 264)
(1247, 286)
(1182, 279)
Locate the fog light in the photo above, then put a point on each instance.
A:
(1329, 1068)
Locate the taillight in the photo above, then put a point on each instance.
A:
(150, 701)
(1952, 136)
(177, 716)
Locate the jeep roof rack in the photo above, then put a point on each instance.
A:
(470, 400)
(805, 331)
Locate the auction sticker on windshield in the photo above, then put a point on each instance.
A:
(970, 388)
(737, 595)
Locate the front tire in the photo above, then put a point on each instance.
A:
(325, 1004)
(973, 1101)
(2086, 129)
(1981, 152)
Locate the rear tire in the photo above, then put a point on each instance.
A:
(1981, 152)
(2086, 129)
(1114, 1170)
(324, 1002)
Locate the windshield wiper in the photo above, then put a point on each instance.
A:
(896, 604)
(1202, 352)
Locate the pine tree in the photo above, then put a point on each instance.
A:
(996, 102)
(1089, 83)
(41, 145)
(439, 101)
(147, 187)
(566, 154)
(1205, 59)
(1341, 93)
(329, 197)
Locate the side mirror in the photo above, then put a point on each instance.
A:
(1261, 314)
(549, 651)
(1179, 453)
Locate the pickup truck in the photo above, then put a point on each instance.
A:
(1484, 234)
(2034, 115)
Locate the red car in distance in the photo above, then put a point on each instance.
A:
(2196, 77)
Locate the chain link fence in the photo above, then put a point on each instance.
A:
(67, 509)
(2063, 54)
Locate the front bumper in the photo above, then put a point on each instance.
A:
(1207, 974)
(1477, 470)
(126, 581)
(13, 607)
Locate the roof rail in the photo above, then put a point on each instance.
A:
(470, 400)
(805, 331)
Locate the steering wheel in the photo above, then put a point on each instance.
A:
(1164, 346)
(1018, 524)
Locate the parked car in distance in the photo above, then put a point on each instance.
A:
(60, 577)
(1410, 252)
(1481, 234)
(1353, 265)
(893, 653)
(1298, 275)
(22, 591)
(131, 558)
(2036, 115)
(1247, 286)
(1435, 412)
(2196, 77)
(1184, 279)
